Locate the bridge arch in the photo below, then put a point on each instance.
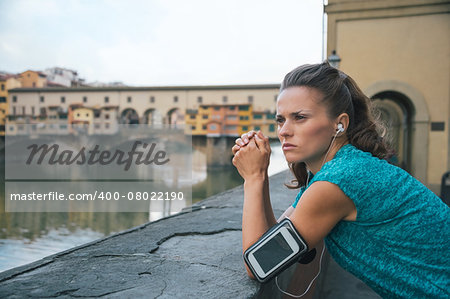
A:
(129, 116)
(151, 117)
(174, 117)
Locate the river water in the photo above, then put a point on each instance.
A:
(27, 237)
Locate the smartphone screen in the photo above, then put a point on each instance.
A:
(273, 252)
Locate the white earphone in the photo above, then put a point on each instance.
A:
(340, 128)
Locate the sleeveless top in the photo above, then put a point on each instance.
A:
(399, 244)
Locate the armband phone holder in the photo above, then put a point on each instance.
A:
(280, 247)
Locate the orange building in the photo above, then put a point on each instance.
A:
(33, 79)
(220, 120)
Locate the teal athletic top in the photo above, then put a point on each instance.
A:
(399, 244)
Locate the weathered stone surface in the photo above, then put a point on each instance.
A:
(195, 254)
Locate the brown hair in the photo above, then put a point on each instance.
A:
(341, 94)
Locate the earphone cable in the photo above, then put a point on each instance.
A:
(310, 284)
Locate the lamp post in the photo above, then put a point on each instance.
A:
(334, 59)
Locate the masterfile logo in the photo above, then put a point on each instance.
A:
(95, 156)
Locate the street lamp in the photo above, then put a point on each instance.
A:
(334, 59)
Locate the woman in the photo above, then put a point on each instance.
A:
(378, 222)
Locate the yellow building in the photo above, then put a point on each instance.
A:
(82, 118)
(6, 82)
(264, 121)
(245, 118)
(398, 53)
(3, 104)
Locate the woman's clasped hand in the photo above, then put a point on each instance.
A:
(252, 155)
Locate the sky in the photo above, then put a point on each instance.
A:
(162, 42)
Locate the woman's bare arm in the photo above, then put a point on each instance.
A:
(252, 161)
(242, 142)
(320, 208)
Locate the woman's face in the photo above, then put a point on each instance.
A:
(304, 127)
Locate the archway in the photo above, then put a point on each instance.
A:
(149, 116)
(175, 117)
(396, 114)
(406, 95)
(129, 116)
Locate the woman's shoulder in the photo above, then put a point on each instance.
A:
(350, 162)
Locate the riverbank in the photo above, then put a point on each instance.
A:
(196, 253)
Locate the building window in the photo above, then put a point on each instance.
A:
(106, 99)
(193, 128)
(231, 108)
(175, 99)
(43, 111)
(129, 100)
(250, 99)
(152, 99)
(257, 116)
(243, 108)
(34, 84)
(106, 116)
(97, 126)
(63, 99)
(213, 127)
(106, 126)
(41, 99)
(3, 87)
(192, 116)
(32, 110)
(63, 127)
(270, 116)
(244, 128)
(14, 110)
(225, 99)
(84, 99)
(2, 99)
(217, 108)
(204, 127)
(271, 128)
(257, 128)
(244, 117)
(205, 116)
(23, 110)
(14, 98)
(199, 100)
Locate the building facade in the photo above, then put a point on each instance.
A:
(398, 53)
(208, 110)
